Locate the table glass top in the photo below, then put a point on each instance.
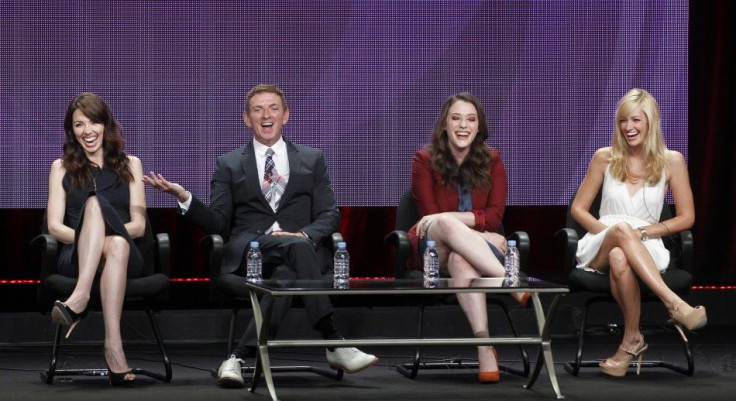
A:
(444, 285)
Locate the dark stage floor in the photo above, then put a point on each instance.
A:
(714, 379)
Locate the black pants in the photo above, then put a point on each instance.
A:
(288, 258)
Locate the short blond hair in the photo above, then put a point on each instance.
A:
(265, 88)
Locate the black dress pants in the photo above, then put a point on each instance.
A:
(288, 258)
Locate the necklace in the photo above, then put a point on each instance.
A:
(94, 173)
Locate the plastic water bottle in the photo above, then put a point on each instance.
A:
(342, 266)
(431, 263)
(512, 263)
(254, 265)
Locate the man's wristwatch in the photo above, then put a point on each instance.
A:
(644, 235)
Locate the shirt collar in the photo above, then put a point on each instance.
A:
(279, 148)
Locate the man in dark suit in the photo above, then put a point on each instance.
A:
(277, 193)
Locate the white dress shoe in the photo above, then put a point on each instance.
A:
(350, 360)
(229, 374)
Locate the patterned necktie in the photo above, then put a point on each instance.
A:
(273, 184)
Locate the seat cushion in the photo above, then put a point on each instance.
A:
(677, 280)
(153, 287)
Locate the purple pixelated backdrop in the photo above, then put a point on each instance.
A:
(364, 79)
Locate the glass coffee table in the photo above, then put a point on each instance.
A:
(278, 288)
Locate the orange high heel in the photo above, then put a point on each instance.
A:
(524, 300)
(491, 376)
(619, 368)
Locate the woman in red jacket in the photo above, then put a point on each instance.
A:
(459, 186)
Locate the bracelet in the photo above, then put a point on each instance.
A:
(644, 235)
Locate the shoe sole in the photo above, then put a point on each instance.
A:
(230, 383)
(337, 367)
(60, 316)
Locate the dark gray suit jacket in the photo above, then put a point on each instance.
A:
(239, 212)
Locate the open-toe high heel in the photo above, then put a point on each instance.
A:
(118, 379)
(490, 376)
(619, 368)
(63, 315)
(691, 321)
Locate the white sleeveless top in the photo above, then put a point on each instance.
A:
(639, 210)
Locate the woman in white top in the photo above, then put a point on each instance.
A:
(635, 173)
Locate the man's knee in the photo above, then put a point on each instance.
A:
(300, 249)
(284, 272)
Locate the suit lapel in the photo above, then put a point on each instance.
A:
(250, 169)
(295, 168)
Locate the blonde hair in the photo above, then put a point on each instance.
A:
(654, 149)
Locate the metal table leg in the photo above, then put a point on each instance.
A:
(262, 359)
(545, 351)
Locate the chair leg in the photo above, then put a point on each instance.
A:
(574, 367)
(231, 332)
(524, 356)
(48, 376)
(166, 377)
(162, 350)
(257, 370)
(688, 355)
(411, 369)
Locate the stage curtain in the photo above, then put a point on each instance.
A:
(712, 147)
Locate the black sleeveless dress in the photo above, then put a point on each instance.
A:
(114, 199)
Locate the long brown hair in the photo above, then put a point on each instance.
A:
(75, 160)
(474, 172)
(654, 149)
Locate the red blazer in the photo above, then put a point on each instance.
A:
(431, 197)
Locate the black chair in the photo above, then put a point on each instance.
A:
(229, 291)
(148, 293)
(595, 288)
(398, 240)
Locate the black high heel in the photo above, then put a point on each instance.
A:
(118, 379)
(63, 315)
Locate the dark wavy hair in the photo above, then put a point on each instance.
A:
(75, 160)
(474, 172)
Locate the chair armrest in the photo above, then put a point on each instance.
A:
(688, 258)
(399, 241)
(163, 253)
(47, 246)
(212, 245)
(524, 245)
(336, 237)
(567, 240)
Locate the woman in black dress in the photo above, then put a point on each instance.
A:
(96, 208)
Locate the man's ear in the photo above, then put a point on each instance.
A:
(246, 119)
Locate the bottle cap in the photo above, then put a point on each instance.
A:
(341, 245)
(512, 242)
(430, 243)
(254, 244)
